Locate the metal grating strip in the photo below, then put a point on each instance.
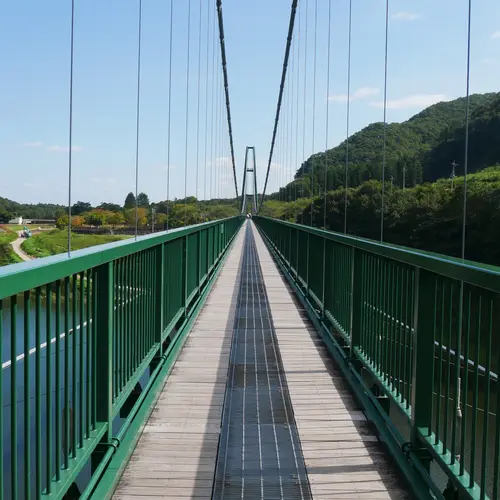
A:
(259, 449)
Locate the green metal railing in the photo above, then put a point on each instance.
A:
(425, 328)
(80, 335)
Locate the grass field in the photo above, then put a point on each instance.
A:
(56, 241)
(7, 255)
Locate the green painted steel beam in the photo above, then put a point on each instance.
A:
(470, 272)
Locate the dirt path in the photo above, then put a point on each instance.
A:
(16, 246)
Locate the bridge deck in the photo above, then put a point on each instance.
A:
(254, 407)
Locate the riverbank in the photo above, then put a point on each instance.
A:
(55, 242)
(7, 254)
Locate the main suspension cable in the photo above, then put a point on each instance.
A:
(280, 97)
(226, 90)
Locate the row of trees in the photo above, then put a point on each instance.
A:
(175, 213)
(427, 216)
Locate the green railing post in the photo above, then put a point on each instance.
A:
(159, 292)
(307, 264)
(103, 276)
(356, 299)
(199, 260)
(185, 277)
(423, 354)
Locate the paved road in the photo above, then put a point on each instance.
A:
(16, 246)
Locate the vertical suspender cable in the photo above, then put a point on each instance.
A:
(188, 58)
(169, 109)
(297, 111)
(290, 131)
(206, 112)
(212, 103)
(467, 113)
(348, 114)
(138, 116)
(327, 107)
(385, 120)
(280, 96)
(459, 423)
(216, 129)
(70, 145)
(198, 112)
(314, 105)
(305, 99)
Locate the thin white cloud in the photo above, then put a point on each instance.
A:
(64, 149)
(221, 161)
(411, 101)
(405, 16)
(33, 144)
(496, 35)
(361, 93)
(489, 62)
(166, 168)
(103, 181)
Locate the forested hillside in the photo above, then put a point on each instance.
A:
(427, 216)
(420, 149)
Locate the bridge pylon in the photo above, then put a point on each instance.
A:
(249, 169)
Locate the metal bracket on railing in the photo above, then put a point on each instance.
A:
(112, 444)
(421, 452)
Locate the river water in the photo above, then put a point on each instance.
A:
(18, 430)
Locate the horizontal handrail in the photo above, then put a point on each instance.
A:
(17, 278)
(474, 273)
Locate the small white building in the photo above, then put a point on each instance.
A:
(16, 220)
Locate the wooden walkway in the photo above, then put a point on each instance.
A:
(176, 455)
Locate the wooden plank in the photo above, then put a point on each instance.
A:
(342, 454)
(176, 454)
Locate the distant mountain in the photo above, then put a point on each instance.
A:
(420, 149)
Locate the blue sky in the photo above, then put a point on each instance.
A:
(427, 48)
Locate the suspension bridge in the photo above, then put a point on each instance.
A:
(248, 357)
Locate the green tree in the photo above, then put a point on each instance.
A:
(4, 216)
(62, 222)
(116, 219)
(95, 218)
(80, 207)
(110, 207)
(129, 201)
(142, 200)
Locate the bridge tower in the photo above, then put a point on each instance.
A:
(249, 168)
